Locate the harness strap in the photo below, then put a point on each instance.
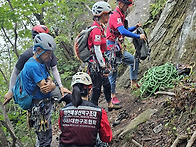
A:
(45, 100)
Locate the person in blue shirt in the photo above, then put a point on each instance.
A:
(38, 83)
(60, 93)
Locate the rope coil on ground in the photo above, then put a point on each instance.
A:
(164, 76)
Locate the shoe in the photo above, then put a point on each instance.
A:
(135, 86)
(138, 86)
(115, 107)
(115, 101)
(122, 115)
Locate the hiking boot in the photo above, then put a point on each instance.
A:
(115, 101)
(115, 107)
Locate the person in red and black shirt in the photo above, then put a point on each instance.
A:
(117, 29)
(81, 120)
(97, 44)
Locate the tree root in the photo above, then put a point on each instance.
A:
(180, 137)
(191, 140)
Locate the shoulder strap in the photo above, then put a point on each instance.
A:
(93, 27)
(21, 77)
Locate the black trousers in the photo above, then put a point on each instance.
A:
(98, 80)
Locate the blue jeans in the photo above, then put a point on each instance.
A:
(128, 59)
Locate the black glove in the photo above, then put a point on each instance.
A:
(105, 70)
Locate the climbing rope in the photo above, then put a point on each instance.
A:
(158, 77)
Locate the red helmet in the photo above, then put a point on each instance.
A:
(127, 2)
(39, 29)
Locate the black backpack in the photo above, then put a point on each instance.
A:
(142, 47)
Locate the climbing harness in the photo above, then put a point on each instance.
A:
(158, 77)
(115, 56)
(37, 117)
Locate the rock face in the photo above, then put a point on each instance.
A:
(140, 12)
(174, 36)
(173, 39)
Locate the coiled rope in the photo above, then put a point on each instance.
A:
(158, 77)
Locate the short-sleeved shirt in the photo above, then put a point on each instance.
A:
(97, 37)
(34, 72)
(116, 20)
(28, 54)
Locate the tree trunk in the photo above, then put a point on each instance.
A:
(3, 139)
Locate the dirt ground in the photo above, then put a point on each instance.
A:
(171, 119)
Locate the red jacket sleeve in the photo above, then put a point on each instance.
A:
(59, 120)
(105, 132)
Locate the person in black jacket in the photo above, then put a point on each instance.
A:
(81, 120)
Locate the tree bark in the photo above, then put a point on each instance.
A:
(3, 139)
(15, 32)
(4, 77)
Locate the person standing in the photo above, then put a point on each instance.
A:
(51, 64)
(116, 31)
(37, 82)
(81, 120)
(97, 44)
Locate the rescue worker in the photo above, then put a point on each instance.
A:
(97, 44)
(51, 64)
(116, 31)
(81, 120)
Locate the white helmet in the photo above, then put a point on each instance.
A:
(45, 41)
(101, 7)
(81, 78)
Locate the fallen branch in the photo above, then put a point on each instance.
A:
(191, 140)
(136, 143)
(180, 137)
(165, 93)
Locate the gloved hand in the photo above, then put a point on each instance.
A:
(106, 70)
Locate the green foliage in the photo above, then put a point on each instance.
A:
(156, 8)
(69, 71)
(129, 45)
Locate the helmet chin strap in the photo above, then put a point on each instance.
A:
(38, 55)
(121, 9)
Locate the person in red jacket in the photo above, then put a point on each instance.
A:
(117, 29)
(81, 120)
(97, 65)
